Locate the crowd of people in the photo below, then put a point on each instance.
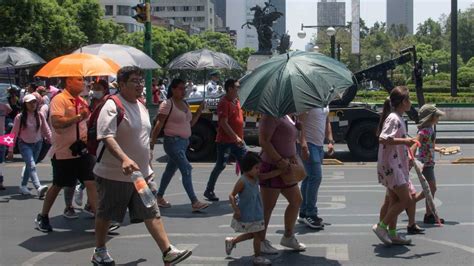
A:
(120, 123)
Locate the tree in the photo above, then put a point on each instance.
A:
(466, 34)
(52, 28)
(39, 25)
(430, 32)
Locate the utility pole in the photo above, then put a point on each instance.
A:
(147, 49)
(454, 48)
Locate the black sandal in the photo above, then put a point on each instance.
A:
(415, 229)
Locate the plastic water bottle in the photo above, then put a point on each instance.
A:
(143, 190)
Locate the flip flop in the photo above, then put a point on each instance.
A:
(164, 204)
(197, 206)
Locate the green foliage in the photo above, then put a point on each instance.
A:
(466, 78)
(470, 63)
(53, 28)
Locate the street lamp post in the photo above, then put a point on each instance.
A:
(330, 31)
(434, 69)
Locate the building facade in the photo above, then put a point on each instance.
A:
(400, 12)
(121, 12)
(221, 6)
(331, 13)
(193, 13)
(280, 26)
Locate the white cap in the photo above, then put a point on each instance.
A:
(28, 98)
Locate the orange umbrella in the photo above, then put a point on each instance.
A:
(78, 65)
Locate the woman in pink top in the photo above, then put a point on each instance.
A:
(176, 119)
(277, 137)
(30, 128)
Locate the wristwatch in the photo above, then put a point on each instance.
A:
(331, 142)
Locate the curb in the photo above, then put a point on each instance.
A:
(456, 140)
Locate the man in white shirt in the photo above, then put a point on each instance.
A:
(126, 150)
(195, 94)
(211, 87)
(316, 128)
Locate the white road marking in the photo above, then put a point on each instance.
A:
(447, 243)
(338, 252)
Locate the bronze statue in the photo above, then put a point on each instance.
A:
(262, 21)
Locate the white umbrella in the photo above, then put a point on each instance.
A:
(123, 55)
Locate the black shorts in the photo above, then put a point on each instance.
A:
(428, 172)
(67, 172)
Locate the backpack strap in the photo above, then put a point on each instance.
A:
(120, 116)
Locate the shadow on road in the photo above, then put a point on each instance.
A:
(286, 257)
(65, 241)
(219, 208)
(133, 263)
(394, 251)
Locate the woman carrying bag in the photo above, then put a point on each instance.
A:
(176, 120)
(277, 137)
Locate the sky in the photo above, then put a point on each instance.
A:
(370, 11)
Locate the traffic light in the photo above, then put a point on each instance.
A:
(140, 13)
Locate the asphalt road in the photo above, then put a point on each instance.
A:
(349, 202)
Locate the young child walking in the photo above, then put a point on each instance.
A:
(429, 116)
(247, 204)
(393, 164)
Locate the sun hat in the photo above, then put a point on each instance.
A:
(28, 98)
(426, 112)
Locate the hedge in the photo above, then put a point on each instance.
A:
(436, 97)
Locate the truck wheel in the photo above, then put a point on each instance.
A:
(363, 142)
(202, 143)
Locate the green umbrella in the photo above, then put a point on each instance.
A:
(294, 82)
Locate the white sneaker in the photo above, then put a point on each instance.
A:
(175, 255)
(24, 190)
(261, 261)
(102, 257)
(229, 246)
(382, 234)
(400, 240)
(78, 194)
(42, 191)
(292, 242)
(267, 248)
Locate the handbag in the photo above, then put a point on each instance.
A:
(293, 174)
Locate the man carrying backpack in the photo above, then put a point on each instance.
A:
(123, 127)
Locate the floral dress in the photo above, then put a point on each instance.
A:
(392, 165)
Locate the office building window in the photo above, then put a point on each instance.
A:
(109, 10)
(185, 8)
(200, 8)
(171, 8)
(124, 10)
(199, 19)
(159, 8)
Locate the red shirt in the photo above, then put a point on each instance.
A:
(235, 119)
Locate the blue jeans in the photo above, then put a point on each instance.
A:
(310, 185)
(224, 150)
(3, 149)
(29, 153)
(175, 148)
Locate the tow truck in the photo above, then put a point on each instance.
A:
(352, 123)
